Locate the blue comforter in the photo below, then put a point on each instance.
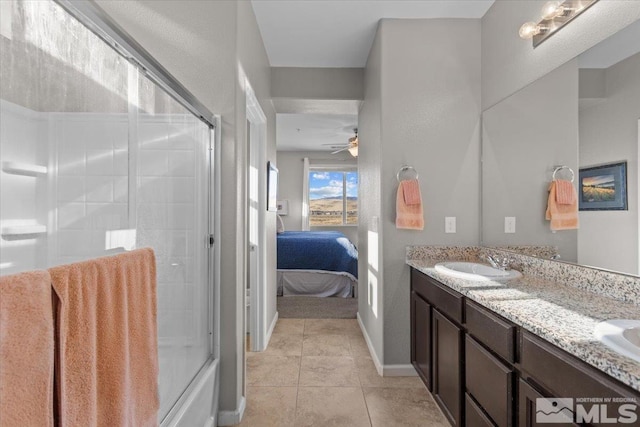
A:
(317, 250)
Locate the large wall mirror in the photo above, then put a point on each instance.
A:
(583, 114)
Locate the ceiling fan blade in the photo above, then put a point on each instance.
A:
(336, 145)
(340, 150)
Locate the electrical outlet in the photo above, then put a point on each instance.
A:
(509, 224)
(450, 224)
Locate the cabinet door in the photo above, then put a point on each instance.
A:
(447, 367)
(421, 337)
(527, 408)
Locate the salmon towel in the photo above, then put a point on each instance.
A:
(107, 349)
(26, 350)
(409, 216)
(562, 217)
(411, 192)
(565, 193)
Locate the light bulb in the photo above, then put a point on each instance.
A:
(529, 29)
(552, 9)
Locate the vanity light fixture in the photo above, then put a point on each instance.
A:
(555, 15)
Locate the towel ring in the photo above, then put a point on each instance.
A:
(405, 169)
(559, 168)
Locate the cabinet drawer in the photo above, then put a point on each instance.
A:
(497, 334)
(474, 417)
(490, 382)
(527, 410)
(447, 301)
(564, 375)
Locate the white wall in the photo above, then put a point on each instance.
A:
(522, 140)
(510, 63)
(24, 138)
(429, 74)
(210, 47)
(290, 185)
(609, 133)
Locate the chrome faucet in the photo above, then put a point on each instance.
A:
(498, 262)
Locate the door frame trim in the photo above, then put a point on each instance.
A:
(257, 145)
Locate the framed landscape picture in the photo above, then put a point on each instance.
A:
(604, 188)
(272, 187)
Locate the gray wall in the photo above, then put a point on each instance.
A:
(370, 298)
(253, 64)
(290, 185)
(510, 63)
(609, 133)
(317, 83)
(522, 140)
(210, 47)
(317, 90)
(430, 119)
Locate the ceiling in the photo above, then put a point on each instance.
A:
(339, 33)
(335, 33)
(309, 132)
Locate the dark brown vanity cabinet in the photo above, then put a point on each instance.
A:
(437, 338)
(484, 371)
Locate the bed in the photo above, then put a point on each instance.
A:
(317, 263)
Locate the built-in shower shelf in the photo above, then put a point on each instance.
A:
(24, 169)
(23, 230)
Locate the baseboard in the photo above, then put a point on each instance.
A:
(230, 418)
(374, 356)
(386, 370)
(399, 371)
(270, 331)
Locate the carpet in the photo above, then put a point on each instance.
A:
(317, 308)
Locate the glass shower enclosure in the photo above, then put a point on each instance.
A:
(97, 158)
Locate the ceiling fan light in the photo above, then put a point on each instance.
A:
(354, 150)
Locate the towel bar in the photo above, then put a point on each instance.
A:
(559, 168)
(404, 169)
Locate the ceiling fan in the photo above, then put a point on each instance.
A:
(352, 145)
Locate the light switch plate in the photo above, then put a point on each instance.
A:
(450, 224)
(509, 224)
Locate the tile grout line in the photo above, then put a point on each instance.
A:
(364, 399)
(295, 411)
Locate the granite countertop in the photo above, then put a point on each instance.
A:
(560, 314)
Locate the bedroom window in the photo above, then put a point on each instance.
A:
(333, 197)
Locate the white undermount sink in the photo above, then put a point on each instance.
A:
(620, 335)
(476, 271)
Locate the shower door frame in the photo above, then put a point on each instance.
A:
(205, 384)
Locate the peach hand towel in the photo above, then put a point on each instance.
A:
(565, 193)
(26, 350)
(562, 217)
(411, 192)
(408, 216)
(107, 349)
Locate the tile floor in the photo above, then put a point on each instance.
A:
(318, 372)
